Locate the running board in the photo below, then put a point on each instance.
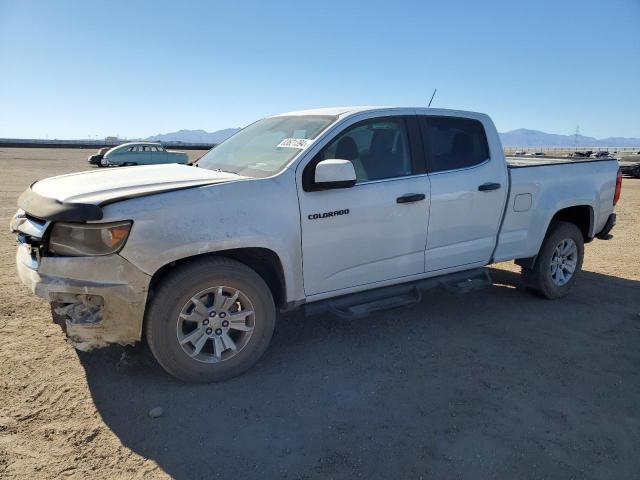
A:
(358, 305)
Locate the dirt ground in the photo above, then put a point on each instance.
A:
(495, 383)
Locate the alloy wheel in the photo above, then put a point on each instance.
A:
(215, 324)
(563, 262)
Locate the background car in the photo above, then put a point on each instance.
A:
(95, 159)
(141, 153)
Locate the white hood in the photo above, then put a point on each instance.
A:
(110, 184)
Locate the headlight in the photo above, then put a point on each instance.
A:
(85, 239)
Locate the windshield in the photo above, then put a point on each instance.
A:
(266, 146)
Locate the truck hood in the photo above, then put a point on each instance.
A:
(108, 185)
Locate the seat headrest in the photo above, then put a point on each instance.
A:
(347, 149)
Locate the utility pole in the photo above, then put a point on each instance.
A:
(575, 138)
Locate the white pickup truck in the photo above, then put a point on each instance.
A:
(350, 209)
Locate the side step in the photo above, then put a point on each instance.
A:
(358, 305)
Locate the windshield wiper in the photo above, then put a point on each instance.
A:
(224, 171)
(195, 164)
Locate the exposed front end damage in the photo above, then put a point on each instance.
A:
(78, 309)
(97, 300)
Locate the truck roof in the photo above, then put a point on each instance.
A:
(346, 111)
(333, 111)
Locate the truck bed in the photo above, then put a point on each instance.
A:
(520, 162)
(553, 184)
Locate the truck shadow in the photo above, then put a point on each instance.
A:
(495, 380)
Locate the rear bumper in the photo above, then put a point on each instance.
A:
(100, 300)
(611, 222)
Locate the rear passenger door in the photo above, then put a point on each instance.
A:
(468, 191)
(147, 155)
(158, 155)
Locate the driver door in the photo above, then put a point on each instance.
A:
(373, 231)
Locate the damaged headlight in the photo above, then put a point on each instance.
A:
(85, 239)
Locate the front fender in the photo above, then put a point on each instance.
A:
(260, 213)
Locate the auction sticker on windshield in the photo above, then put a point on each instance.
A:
(301, 143)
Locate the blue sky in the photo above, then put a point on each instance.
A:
(74, 69)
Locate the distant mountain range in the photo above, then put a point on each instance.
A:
(194, 136)
(521, 137)
(534, 138)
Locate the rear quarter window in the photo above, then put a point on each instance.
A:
(453, 143)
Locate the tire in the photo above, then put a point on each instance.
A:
(168, 323)
(103, 163)
(541, 278)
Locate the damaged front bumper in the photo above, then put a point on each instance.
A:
(99, 300)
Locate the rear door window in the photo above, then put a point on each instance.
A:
(453, 143)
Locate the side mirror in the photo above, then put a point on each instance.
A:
(334, 173)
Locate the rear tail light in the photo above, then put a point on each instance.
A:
(616, 195)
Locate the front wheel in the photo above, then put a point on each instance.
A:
(210, 321)
(558, 262)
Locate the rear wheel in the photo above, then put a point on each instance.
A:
(558, 262)
(210, 321)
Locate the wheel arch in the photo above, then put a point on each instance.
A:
(263, 261)
(580, 215)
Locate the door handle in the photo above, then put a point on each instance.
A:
(411, 197)
(487, 187)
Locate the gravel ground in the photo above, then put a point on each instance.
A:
(494, 383)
